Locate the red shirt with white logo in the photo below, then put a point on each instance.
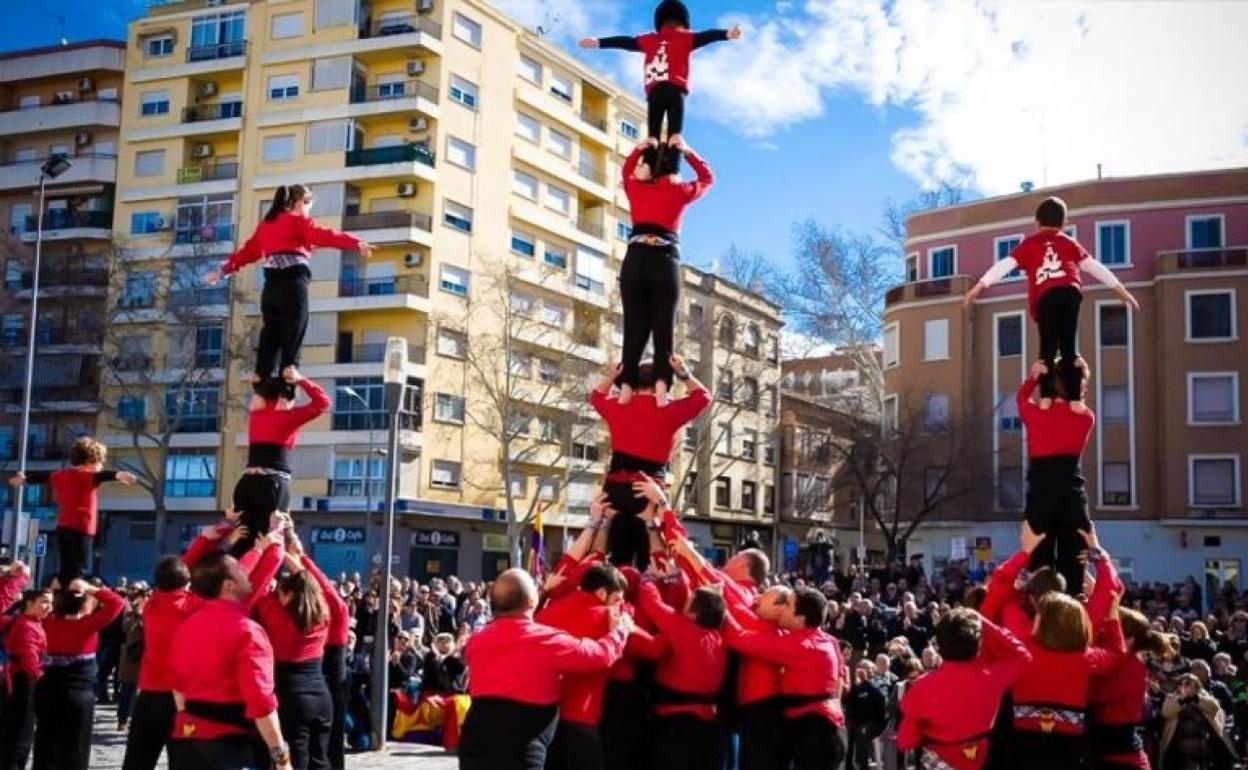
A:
(1050, 258)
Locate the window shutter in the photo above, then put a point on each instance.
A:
(331, 73)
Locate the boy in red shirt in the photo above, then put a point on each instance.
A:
(667, 51)
(75, 491)
(1052, 261)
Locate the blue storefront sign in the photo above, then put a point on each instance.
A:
(435, 538)
(339, 549)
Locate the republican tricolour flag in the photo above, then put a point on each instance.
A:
(537, 566)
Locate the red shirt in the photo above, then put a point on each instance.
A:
(1056, 431)
(1061, 680)
(644, 429)
(667, 54)
(810, 661)
(339, 619)
(289, 233)
(221, 656)
(26, 643)
(81, 636)
(695, 660)
(519, 659)
(162, 615)
(1050, 258)
(584, 616)
(74, 490)
(290, 643)
(662, 202)
(952, 709)
(1117, 698)
(1003, 602)
(271, 425)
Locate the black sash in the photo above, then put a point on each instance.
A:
(232, 714)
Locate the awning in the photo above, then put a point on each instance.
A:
(82, 189)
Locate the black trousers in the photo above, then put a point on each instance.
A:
(628, 542)
(150, 726)
(305, 719)
(107, 684)
(761, 729)
(665, 101)
(684, 742)
(499, 734)
(814, 743)
(334, 666)
(284, 310)
(17, 725)
(861, 744)
(64, 716)
(256, 497)
(232, 753)
(623, 728)
(1057, 316)
(1057, 507)
(649, 291)
(75, 550)
(1039, 751)
(575, 747)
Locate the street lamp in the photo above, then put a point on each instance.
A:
(395, 377)
(51, 169)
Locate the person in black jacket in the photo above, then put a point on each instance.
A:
(866, 714)
(444, 671)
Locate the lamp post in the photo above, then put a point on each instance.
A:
(372, 448)
(395, 378)
(51, 169)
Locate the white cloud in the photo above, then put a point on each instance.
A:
(1002, 92)
(565, 21)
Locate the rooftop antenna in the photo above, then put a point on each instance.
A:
(1098, 170)
(549, 22)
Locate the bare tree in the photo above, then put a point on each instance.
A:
(748, 269)
(893, 224)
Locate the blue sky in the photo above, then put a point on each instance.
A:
(829, 108)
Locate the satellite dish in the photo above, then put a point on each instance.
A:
(1027, 186)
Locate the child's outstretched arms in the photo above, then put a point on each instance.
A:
(708, 36)
(1097, 270)
(1000, 269)
(618, 42)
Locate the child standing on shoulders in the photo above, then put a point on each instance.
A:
(1052, 261)
(75, 490)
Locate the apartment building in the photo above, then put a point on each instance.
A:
(472, 154)
(1165, 465)
(62, 100)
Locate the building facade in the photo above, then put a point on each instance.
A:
(67, 101)
(1165, 463)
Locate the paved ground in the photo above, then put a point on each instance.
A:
(110, 747)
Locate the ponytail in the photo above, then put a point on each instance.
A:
(1137, 629)
(284, 199)
(307, 605)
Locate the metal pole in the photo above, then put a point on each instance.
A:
(381, 641)
(20, 490)
(862, 533)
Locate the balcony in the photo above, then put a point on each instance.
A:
(142, 362)
(375, 353)
(61, 116)
(62, 224)
(407, 24)
(590, 226)
(389, 92)
(597, 122)
(189, 234)
(212, 112)
(1201, 259)
(391, 227)
(932, 288)
(86, 168)
(208, 172)
(50, 334)
(215, 51)
(587, 171)
(35, 450)
(374, 421)
(400, 154)
(200, 296)
(383, 287)
(63, 280)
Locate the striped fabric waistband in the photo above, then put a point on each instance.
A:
(651, 240)
(929, 761)
(1047, 718)
(60, 661)
(284, 259)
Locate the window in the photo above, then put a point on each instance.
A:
(25, 155)
(723, 492)
(528, 128)
(367, 412)
(547, 429)
(912, 268)
(457, 216)
(769, 498)
(1204, 232)
(520, 364)
(461, 153)
(518, 486)
(518, 425)
(1213, 481)
(561, 86)
(1115, 483)
(1114, 326)
(623, 230)
(154, 103)
(521, 304)
(11, 328)
(942, 262)
(132, 410)
(1114, 406)
(769, 453)
(139, 289)
(464, 92)
(591, 267)
(466, 30)
(523, 244)
(283, 87)
(524, 185)
(452, 344)
(286, 25)
(555, 257)
(1213, 398)
(209, 345)
(629, 130)
(1007, 413)
(218, 35)
(445, 474)
(584, 451)
(145, 222)
(934, 483)
(560, 143)
(149, 163)
(448, 408)
(1113, 243)
(936, 412)
(455, 280)
(723, 388)
(892, 341)
(691, 436)
(749, 494)
(391, 86)
(558, 199)
(193, 409)
(353, 477)
(749, 444)
(331, 73)
(329, 136)
(161, 45)
(723, 438)
(278, 149)
(1010, 488)
(936, 340)
(1009, 335)
(581, 493)
(531, 70)
(1004, 247)
(1211, 315)
(190, 473)
(547, 371)
(891, 406)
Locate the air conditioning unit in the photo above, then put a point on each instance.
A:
(415, 67)
(208, 88)
(86, 84)
(213, 3)
(82, 138)
(164, 224)
(418, 125)
(64, 97)
(406, 189)
(424, 6)
(201, 151)
(414, 258)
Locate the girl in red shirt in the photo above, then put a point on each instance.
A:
(26, 644)
(285, 240)
(667, 51)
